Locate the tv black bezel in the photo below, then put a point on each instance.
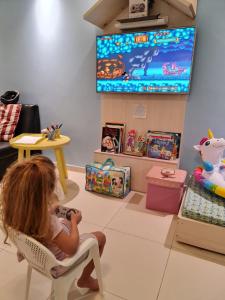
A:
(149, 93)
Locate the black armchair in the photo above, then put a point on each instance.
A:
(29, 122)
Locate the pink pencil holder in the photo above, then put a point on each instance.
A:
(165, 193)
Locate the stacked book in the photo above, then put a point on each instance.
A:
(113, 137)
(163, 145)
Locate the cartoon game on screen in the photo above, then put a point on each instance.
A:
(146, 62)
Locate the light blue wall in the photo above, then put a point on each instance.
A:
(206, 104)
(47, 52)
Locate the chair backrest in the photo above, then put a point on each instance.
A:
(37, 255)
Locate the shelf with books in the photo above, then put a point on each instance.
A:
(139, 166)
(172, 162)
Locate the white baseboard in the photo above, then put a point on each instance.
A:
(75, 168)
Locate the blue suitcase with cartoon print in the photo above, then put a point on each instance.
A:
(108, 179)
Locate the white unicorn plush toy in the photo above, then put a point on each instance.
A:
(212, 175)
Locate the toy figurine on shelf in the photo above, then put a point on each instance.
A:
(174, 151)
(140, 145)
(131, 140)
(131, 145)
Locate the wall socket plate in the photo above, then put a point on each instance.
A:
(140, 111)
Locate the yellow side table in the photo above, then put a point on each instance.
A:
(45, 144)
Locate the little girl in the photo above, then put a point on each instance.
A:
(27, 201)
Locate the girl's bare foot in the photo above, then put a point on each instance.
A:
(89, 283)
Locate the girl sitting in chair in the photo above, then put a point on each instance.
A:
(28, 206)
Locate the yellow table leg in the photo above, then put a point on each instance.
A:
(60, 168)
(20, 155)
(27, 154)
(64, 164)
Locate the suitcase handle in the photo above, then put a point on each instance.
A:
(108, 162)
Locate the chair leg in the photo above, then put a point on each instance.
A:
(52, 296)
(96, 259)
(29, 272)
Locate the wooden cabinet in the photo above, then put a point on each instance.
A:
(163, 112)
(140, 166)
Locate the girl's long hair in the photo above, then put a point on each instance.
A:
(26, 191)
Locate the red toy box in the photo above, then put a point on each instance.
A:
(165, 193)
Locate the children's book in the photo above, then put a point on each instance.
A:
(111, 139)
(121, 126)
(29, 140)
(163, 145)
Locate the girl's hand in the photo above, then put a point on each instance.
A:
(79, 216)
(74, 218)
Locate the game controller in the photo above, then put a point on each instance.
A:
(64, 212)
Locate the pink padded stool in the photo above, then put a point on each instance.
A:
(165, 193)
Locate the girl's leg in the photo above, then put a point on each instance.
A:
(86, 281)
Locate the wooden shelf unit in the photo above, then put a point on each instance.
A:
(104, 11)
(188, 7)
(140, 166)
(163, 112)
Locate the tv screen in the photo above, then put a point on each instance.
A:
(157, 61)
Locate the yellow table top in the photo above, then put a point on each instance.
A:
(42, 144)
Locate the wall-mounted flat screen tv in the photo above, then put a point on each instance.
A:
(157, 61)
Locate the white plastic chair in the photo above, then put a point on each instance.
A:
(42, 260)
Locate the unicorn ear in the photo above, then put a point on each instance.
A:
(210, 134)
(197, 147)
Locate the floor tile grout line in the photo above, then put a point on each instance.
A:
(122, 298)
(160, 287)
(91, 223)
(167, 261)
(137, 236)
(83, 297)
(126, 233)
(8, 250)
(113, 216)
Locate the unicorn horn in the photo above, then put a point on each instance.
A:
(210, 134)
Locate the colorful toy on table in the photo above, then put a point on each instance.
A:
(52, 132)
(212, 174)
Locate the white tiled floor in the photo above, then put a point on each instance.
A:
(140, 262)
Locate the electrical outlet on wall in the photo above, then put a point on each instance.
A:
(140, 111)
